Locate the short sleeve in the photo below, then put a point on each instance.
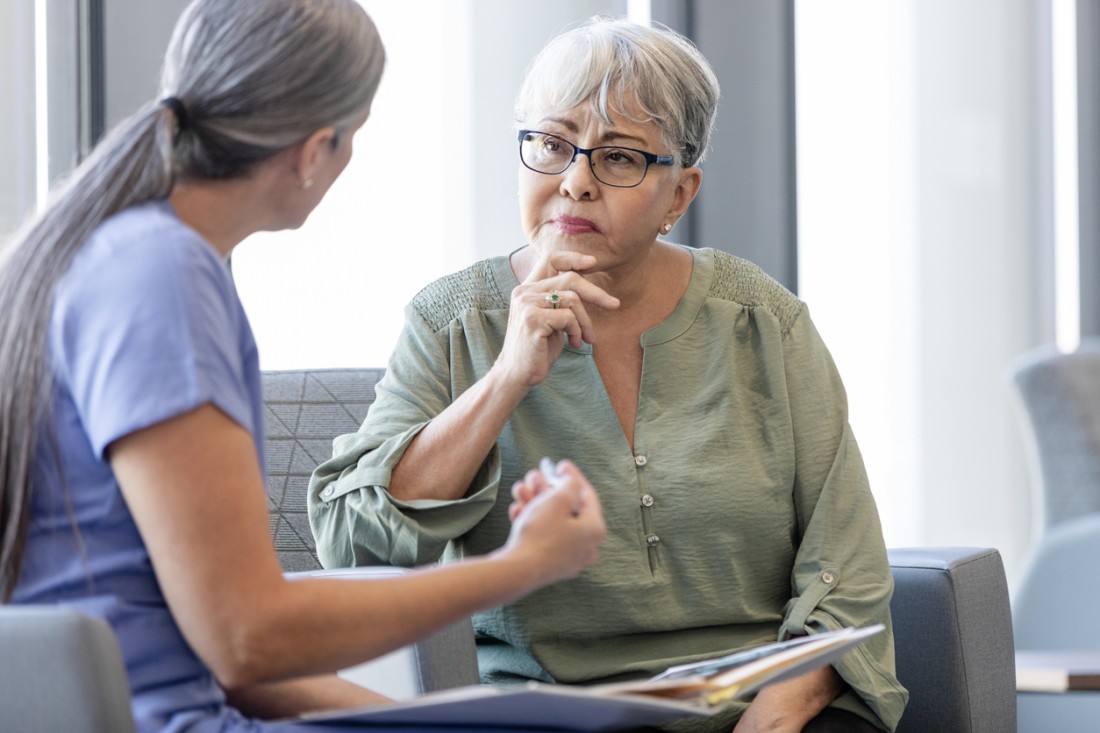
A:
(146, 326)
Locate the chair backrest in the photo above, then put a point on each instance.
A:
(61, 671)
(953, 640)
(1054, 606)
(304, 411)
(1060, 397)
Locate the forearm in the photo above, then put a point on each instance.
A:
(444, 458)
(289, 698)
(320, 625)
(786, 707)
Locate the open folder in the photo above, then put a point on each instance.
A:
(692, 690)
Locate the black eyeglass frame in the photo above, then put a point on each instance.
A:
(650, 158)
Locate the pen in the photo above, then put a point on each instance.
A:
(549, 471)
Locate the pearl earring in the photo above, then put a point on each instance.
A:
(666, 228)
(307, 183)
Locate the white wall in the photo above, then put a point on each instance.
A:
(17, 124)
(508, 36)
(39, 76)
(402, 214)
(920, 207)
(136, 33)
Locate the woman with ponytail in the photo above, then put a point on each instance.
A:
(131, 427)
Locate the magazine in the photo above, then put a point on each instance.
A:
(690, 690)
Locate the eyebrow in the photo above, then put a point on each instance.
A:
(605, 138)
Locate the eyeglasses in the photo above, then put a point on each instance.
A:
(615, 166)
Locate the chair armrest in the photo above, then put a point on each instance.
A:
(441, 661)
(61, 670)
(953, 639)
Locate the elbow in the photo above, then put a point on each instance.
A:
(246, 656)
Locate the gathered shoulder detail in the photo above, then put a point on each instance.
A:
(474, 288)
(740, 281)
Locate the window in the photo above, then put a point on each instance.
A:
(332, 293)
(922, 226)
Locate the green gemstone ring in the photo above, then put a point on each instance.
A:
(553, 298)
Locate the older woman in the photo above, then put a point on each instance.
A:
(692, 388)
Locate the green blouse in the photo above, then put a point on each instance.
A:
(742, 514)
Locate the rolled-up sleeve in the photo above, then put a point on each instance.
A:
(354, 518)
(841, 574)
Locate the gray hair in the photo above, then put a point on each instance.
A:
(247, 78)
(617, 65)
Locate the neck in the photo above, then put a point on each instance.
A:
(223, 212)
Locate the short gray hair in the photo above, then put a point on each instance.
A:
(616, 63)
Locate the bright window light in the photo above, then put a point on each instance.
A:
(41, 106)
(331, 294)
(1067, 272)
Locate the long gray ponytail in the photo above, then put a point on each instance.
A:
(243, 80)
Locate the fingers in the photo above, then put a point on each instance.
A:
(553, 263)
(537, 331)
(560, 271)
(585, 500)
(570, 488)
(569, 317)
(569, 483)
(559, 525)
(523, 492)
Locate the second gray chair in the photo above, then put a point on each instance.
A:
(61, 670)
(1060, 398)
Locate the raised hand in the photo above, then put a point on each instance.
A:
(559, 525)
(548, 307)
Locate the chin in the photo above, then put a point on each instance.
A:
(288, 223)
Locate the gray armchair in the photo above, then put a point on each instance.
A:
(304, 411)
(953, 640)
(951, 609)
(1054, 606)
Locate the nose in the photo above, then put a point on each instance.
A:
(579, 181)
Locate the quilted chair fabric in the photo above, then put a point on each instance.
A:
(304, 410)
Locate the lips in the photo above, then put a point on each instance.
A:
(574, 225)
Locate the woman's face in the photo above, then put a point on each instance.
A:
(574, 211)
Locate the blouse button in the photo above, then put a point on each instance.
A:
(640, 460)
(652, 540)
(828, 578)
(329, 491)
(647, 500)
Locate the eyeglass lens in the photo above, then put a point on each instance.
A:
(613, 166)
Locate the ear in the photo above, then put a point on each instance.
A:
(311, 152)
(687, 188)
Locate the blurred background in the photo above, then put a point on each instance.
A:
(920, 172)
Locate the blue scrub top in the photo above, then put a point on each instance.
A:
(146, 325)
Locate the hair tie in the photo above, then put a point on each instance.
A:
(179, 110)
